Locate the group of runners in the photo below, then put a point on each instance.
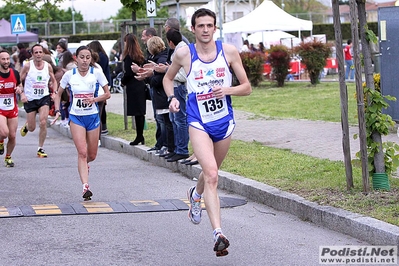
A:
(207, 64)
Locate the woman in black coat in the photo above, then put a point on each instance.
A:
(135, 89)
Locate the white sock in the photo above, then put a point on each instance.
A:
(216, 232)
(196, 196)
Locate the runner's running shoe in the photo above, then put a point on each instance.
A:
(41, 153)
(8, 162)
(86, 192)
(194, 213)
(221, 245)
(1, 148)
(24, 131)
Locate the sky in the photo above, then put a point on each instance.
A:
(94, 9)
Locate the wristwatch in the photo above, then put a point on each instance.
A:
(171, 97)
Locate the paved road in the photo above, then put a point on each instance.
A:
(259, 235)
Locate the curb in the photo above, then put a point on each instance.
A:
(362, 227)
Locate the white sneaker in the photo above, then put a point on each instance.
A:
(195, 210)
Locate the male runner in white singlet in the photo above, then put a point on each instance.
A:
(37, 76)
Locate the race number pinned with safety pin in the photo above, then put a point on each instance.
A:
(7, 102)
(210, 108)
(80, 106)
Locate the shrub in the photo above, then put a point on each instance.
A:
(279, 58)
(253, 65)
(314, 55)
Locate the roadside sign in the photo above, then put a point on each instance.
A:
(151, 8)
(18, 23)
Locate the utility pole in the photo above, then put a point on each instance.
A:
(73, 19)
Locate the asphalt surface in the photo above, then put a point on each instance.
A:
(150, 233)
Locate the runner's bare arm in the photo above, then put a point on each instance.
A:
(57, 100)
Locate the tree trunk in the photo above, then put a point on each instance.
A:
(360, 96)
(344, 96)
(379, 162)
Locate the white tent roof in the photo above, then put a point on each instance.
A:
(267, 17)
(268, 37)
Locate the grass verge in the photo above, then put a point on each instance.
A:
(318, 180)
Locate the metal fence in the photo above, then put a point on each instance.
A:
(77, 27)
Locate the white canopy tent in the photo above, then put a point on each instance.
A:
(267, 17)
(269, 37)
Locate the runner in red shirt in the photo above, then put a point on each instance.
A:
(9, 85)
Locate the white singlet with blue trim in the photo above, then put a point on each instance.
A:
(204, 111)
(82, 88)
(36, 82)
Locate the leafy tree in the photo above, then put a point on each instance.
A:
(126, 13)
(303, 7)
(33, 15)
(7, 10)
(41, 11)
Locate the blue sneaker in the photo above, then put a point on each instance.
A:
(195, 211)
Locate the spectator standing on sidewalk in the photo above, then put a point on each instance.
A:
(178, 119)
(23, 54)
(209, 112)
(104, 63)
(37, 77)
(350, 67)
(158, 50)
(135, 89)
(145, 36)
(83, 84)
(61, 49)
(9, 87)
(174, 23)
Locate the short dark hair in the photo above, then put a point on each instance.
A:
(202, 12)
(20, 46)
(174, 36)
(349, 41)
(4, 51)
(150, 32)
(36, 45)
